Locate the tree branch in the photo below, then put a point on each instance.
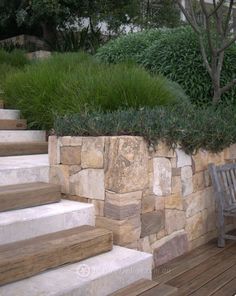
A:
(228, 86)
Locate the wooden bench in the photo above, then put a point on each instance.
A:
(224, 185)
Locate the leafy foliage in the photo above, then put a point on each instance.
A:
(174, 53)
(78, 83)
(183, 124)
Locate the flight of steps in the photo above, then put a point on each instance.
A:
(48, 245)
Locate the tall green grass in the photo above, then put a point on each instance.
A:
(77, 83)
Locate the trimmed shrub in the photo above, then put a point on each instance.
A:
(185, 125)
(70, 83)
(128, 47)
(174, 53)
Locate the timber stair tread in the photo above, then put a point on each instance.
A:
(23, 148)
(145, 287)
(20, 196)
(13, 124)
(24, 259)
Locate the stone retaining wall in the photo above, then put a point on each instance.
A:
(154, 200)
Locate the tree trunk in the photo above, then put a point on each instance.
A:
(217, 95)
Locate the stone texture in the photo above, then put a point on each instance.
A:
(162, 150)
(176, 185)
(59, 175)
(124, 231)
(70, 155)
(176, 171)
(174, 220)
(195, 226)
(88, 183)
(152, 222)
(144, 245)
(198, 181)
(98, 207)
(148, 203)
(183, 159)
(198, 201)
(162, 176)
(126, 164)
(170, 247)
(74, 169)
(174, 201)
(203, 158)
(71, 141)
(121, 206)
(53, 150)
(186, 180)
(159, 203)
(92, 152)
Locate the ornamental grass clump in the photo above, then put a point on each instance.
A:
(77, 83)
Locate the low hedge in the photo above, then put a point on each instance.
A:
(185, 125)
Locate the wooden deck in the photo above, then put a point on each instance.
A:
(207, 270)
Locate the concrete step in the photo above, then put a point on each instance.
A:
(13, 124)
(22, 136)
(23, 148)
(28, 195)
(9, 114)
(97, 276)
(27, 223)
(32, 256)
(24, 169)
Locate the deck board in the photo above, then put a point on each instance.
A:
(207, 270)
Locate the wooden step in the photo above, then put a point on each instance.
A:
(11, 124)
(30, 257)
(23, 148)
(145, 287)
(1, 104)
(28, 195)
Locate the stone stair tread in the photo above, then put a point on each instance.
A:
(23, 161)
(24, 259)
(28, 195)
(23, 148)
(145, 287)
(13, 124)
(27, 223)
(97, 276)
(11, 136)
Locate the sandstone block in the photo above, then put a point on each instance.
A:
(148, 203)
(176, 172)
(198, 181)
(144, 245)
(92, 152)
(70, 155)
(98, 207)
(195, 226)
(152, 222)
(123, 205)
(53, 150)
(71, 141)
(59, 174)
(126, 164)
(124, 232)
(174, 220)
(174, 201)
(170, 247)
(162, 150)
(176, 185)
(162, 176)
(159, 203)
(183, 159)
(186, 180)
(88, 183)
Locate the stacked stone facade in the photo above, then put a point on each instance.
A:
(154, 200)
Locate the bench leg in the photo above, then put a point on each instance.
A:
(221, 231)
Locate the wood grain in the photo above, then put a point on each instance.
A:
(10, 124)
(30, 257)
(28, 195)
(30, 148)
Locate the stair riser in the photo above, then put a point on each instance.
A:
(9, 114)
(28, 223)
(13, 149)
(8, 124)
(19, 261)
(24, 175)
(22, 136)
(97, 276)
(18, 197)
